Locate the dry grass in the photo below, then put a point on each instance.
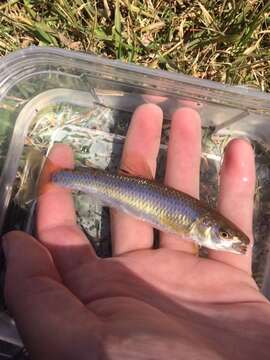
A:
(227, 41)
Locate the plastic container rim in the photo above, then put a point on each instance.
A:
(10, 64)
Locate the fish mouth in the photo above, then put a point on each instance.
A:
(240, 248)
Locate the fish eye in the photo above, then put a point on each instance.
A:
(224, 234)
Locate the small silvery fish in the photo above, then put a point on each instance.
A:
(165, 208)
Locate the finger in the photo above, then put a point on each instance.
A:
(237, 183)
(40, 304)
(139, 158)
(183, 165)
(56, 218)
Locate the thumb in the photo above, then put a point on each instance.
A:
(29, 265)
(41, 305)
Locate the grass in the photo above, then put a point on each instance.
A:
(227, 40)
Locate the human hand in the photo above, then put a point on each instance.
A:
(142, 303)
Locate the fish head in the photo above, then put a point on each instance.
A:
(218, 233)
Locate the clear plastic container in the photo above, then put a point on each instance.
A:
(51, 95)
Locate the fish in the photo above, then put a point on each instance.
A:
(164, 207)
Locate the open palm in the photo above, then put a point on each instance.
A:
(142, 303)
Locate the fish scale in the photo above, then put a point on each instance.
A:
(165, 208)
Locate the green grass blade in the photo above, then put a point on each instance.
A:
(117, 30)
